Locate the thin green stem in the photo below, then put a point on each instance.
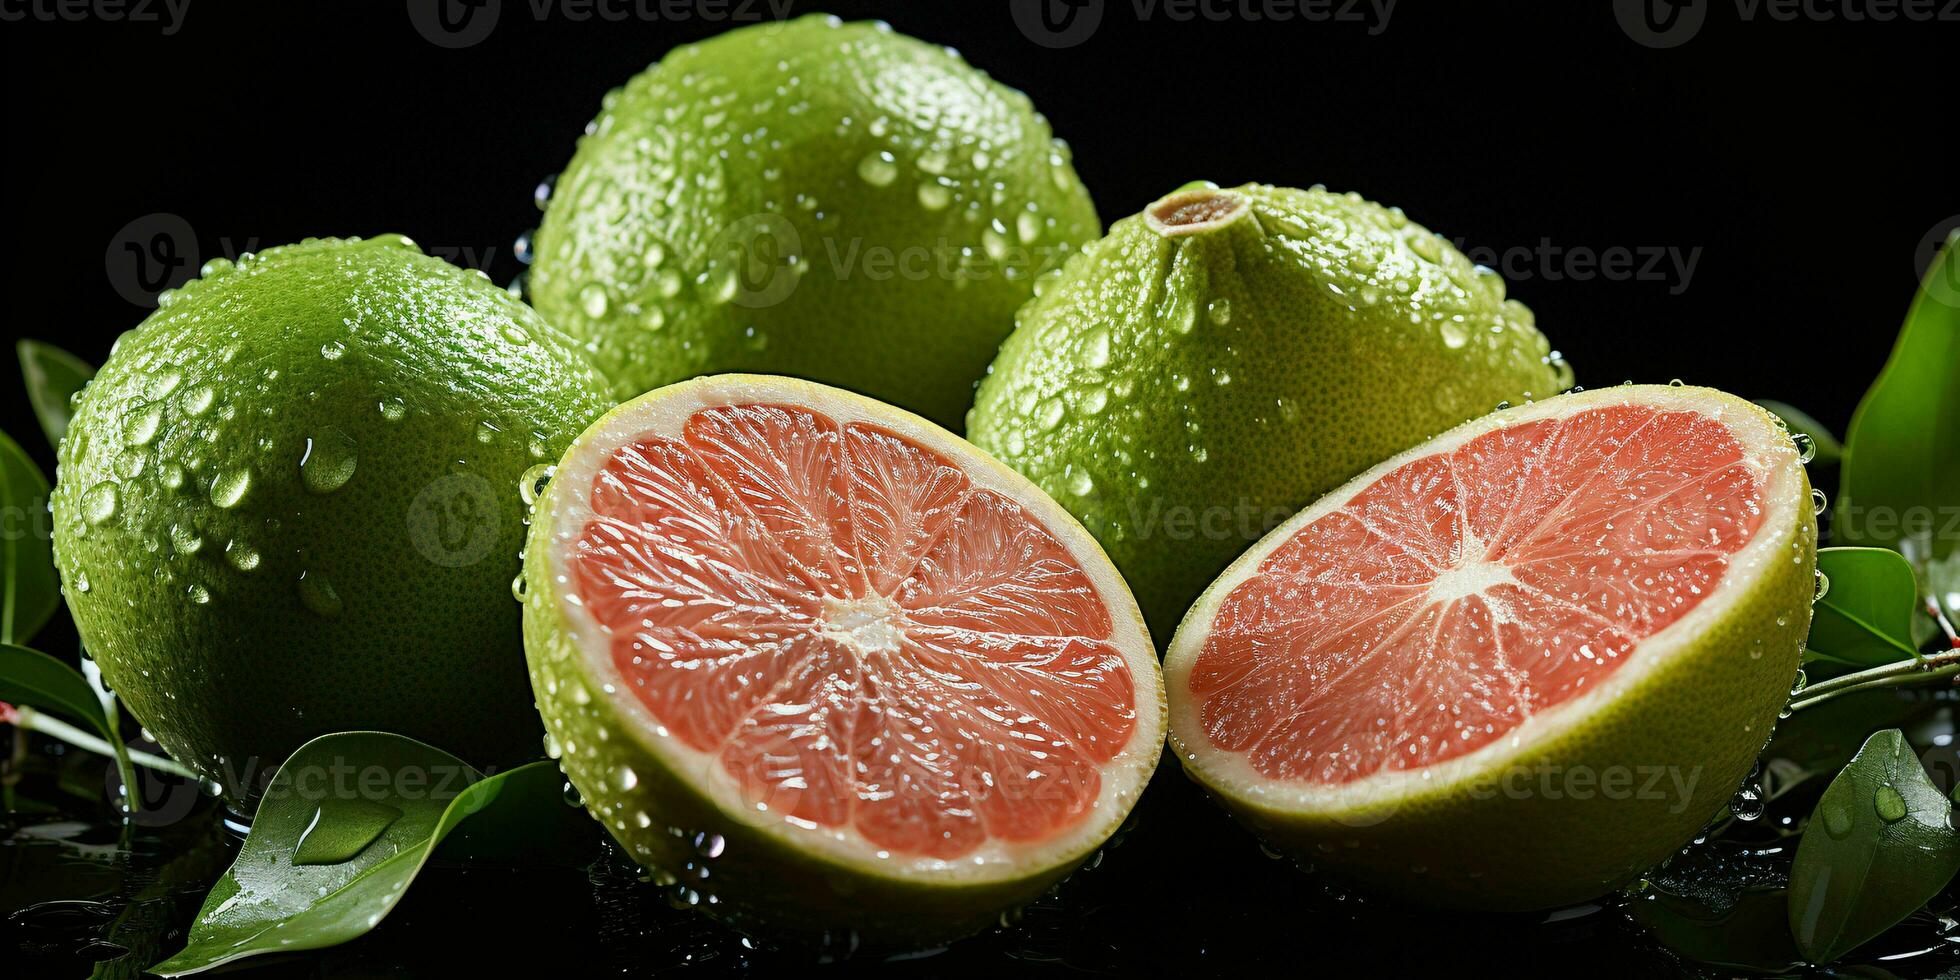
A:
(35, 721)
(1915, 672)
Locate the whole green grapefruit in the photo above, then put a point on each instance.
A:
(287, 505)
(833, 201)
(1228, 355)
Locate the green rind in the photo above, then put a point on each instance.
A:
(1208, 385)
(766, 129)
(1705, 714)
(757, 881)
(425, 641)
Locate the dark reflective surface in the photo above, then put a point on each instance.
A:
(1183, 890)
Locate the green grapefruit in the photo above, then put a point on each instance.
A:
(827, 200)
(826, 667)
(1517, 665)
(1228, 355)
(287, 505)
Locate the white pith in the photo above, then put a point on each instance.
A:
(1767, 451)
(866, 626)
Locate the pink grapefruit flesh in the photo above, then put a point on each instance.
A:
(854, 631)
(1463, 592)
(1514, 666)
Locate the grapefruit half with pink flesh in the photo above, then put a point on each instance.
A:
(1518, 665)
(827, 666)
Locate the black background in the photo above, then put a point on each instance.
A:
(1798, 160)
(1805, 165)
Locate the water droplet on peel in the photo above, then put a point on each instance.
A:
(593, 301)
(328, 461)
(318, 595)
(878, 169)
(100, 503)
(230, 487)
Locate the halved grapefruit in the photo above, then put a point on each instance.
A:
(1515, 666)
(829, 666)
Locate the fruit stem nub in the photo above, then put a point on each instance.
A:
(1194, 211)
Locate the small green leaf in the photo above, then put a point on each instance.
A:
(1828, 450)
(383, 803)
(1879, 845)
(53, 377)
(29, 590)
(1900, 485)
(1752, 934)
(33, 678)
(1865, 618)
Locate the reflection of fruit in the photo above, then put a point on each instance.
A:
(1229, 355)
(827, 666)
(834, 201)
(1517, 665)
(288, 504)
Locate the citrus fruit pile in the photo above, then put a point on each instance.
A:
(831, 671)
(832, 665)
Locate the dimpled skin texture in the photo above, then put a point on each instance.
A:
(1183, 395)
(825, 200)
(287, 505)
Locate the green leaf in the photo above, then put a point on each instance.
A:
(53, 377)
(29, 590)
(1879, 845)
(1900, 485)
(1865, 618)
(343, 829)
(1828, 450)
(32, 678)
(1753, 934)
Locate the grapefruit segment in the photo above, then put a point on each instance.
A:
(852, 640)
(1496, 598)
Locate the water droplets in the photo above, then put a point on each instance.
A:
(328, 462)
(318, 595)
(229, 488)
(101, 503)
(1890, 805)
(593, 301)
(878, 169)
